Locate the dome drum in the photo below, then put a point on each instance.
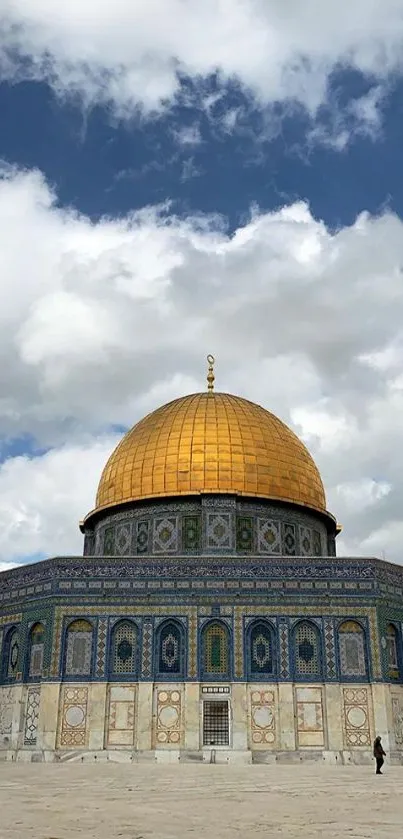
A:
(209, 525)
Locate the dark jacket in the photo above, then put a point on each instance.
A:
(378, 750)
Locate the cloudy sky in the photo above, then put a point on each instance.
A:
(181, 177)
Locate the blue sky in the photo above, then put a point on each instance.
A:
(182, 180)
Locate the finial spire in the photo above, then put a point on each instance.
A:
(210, 374)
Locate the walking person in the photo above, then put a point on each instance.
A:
(379, 755)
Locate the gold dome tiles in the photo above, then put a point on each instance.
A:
(214, 443)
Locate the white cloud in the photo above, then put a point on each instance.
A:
(133, 53)
(102, 322)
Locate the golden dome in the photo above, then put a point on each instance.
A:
(211, 443)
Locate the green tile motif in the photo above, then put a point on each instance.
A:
(109, 541)
(244, 534)
(191, 533)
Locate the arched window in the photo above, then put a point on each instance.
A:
(124, 649)
(216, 650)
(78, 649)
(391, 647)
(11, 654)
(35, 651)
(170, 649)
(261, 650)
(352, 649)
(307, 654)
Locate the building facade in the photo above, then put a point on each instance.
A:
(209, 617)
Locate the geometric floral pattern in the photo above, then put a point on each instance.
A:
(356, 717)
(101, 646)
(79, 649)
(122, 540)
(168, 718)
(305, 541)
(121, 716)
(352, 649)
(244, 534)
(36, 644)
(73, 726)
(219, 530)
(288, 539)
(124, 648)
(317, 543)
(269, 541)
(109, 541)
(397, 713)
(330, 650)
(32, 716)
(191, 533)
(165, 537)
(284, 650)
(146, 663)
(306, 650)
(169, 649)
(142, 537)
(215, 650)
(310, 727)
(263, 719)
(261, 650)
(13, 646)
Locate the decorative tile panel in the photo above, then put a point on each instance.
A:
(284, 650)
(316, 543)
(6, 713)
(73, 717)
(191, 533)
(168, 726)
(101, 646)
(288, 539)
(330, 650)
(146, 662)
(32, 716)
(244, 534)
(263, 719)
(142, 537)
(121, 716)
(165, 536)
(219, 533)
(122, 540)
(309, 708)
(357, 728)
(268, 538)
(305, 541)
(397, 716)
(109, 541)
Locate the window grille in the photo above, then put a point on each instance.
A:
(124, 648)
(391, 641)
(261, 654)
(79, 649)
(307, 656)
(170, 649)
(352, 649)
(216, 654)
(215, 723)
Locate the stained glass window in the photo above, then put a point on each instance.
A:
(352, 649)
(307, 650)
(261, 649)
(216, 650)
(391, 646)
(79, 649)
(170, 648)
(36, 646)
(124, 648)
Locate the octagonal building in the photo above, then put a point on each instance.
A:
(209, 617)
